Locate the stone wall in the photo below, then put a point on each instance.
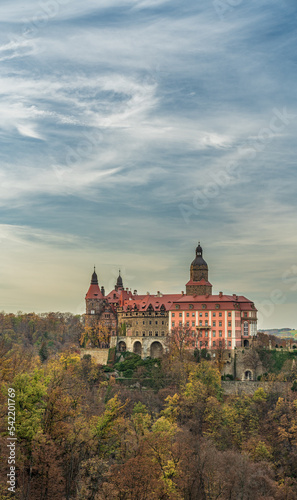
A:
(144, 346)
(100, 356)
(237, 388)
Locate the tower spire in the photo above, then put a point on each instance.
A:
(94, 280)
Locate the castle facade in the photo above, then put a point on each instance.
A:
(142, 323)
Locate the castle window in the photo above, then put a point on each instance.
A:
(206, 322)
(245, 315)
(180, 315)
(206, 333)
(188, 314)
(200, 315)
(220, 315)
(143, 334)
(213, 333)
(214, 343)
(245, 328)
(213, 323)
(193, 315)
(220, 343)
(206, 315)
(143, 322)
(220, 323)
(229, 323)
(150, 334)
(229, 333)
(107, 315)
(229, 343)
(92, 311)
(173, 314)
(220, 333)
(162, 333)
(150, 322)
(180, 323)
(229, 314)
(173, 323)
(136, 333)
(156, 322)
(156, 333)
(214, 315)
(193, 323)
(188, 323)
(200, 322)
(162, 322)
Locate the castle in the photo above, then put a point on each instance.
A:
(142, 323)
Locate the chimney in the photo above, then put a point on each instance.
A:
(183, 293)
(135, 292)
(220, 294)
(103, 291)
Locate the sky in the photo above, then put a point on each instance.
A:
(130, 130)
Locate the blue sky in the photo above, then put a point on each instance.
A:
(132, 129)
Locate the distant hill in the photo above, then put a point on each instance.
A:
(281, 332)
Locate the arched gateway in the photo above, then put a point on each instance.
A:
(156, 350)
(137, 348)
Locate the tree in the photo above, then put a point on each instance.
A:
(97, 335)
(180, 339)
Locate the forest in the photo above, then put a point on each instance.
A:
(83, 433)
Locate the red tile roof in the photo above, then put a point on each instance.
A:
(225, 302)
(94, 292)
(143, 302)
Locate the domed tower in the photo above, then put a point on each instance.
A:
(199, 284)
(119, 284)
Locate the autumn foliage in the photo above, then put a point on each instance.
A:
(82, 436)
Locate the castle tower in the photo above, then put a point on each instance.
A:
(199, 284)
(119, 284)
(94, 296)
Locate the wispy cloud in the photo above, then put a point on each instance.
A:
(114, 115)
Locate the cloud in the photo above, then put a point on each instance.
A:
(115, 115)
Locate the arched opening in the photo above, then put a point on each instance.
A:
(294, 346)
(122, 346)
(248, 375)
(276, 346)
(246, 343)
(156, 350)
(137, 347)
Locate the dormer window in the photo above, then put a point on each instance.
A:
(217, 306)
(177, 306)
(203, 306)
(191, 306)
